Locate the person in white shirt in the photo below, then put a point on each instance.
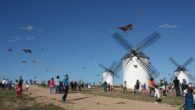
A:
(124, 87)
(157, 94)
(57, 83)
(3, 83)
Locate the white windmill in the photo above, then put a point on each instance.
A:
(110, 73)
(136, 65)
(181, 72)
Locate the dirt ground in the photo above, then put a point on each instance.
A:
(77, 101)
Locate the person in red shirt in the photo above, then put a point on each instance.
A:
(51, 84)
(151, 86)
(19, 88)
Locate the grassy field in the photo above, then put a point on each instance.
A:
(170, 99)
(8, 102)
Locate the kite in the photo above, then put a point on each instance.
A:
(42, 50)
(10, 50)
(84, 67)
(27, 51)
(90, 58)
(127, 27)
(24, 61)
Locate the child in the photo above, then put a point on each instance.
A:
(157, 94)
(19, 89)
(27, 86)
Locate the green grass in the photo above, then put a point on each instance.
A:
(8, 102)
(171, 99)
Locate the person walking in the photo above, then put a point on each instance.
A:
(177, 86)
(65, 88)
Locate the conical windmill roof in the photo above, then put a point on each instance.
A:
(180, 68)
(140, 54)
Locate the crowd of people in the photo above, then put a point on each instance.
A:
(61, 86)
(164, 88)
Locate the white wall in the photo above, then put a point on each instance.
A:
(108, 77)
(131, 73)
(182, 75)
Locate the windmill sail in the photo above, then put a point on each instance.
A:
(153, 72)
(188, 62)
(123, 42)
(148, 41)
(181, 72)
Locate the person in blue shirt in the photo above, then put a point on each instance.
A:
(65, 88)
(189, 100)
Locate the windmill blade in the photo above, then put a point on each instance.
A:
(188, 62)
(174, 62)
(102, 66)
(191, 77)
(116, 75)
(172, 78)
(153, 72)
(118, 66)
(148, 41)
(123, 42)
(125, 56)
(112, 65)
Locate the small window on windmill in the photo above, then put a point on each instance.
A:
(135, 66)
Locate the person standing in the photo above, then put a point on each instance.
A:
(57, 85)
(137, 86)
(151, 86)
(3, 83)
(105, 86)
(184, 86)
(65, 88)
(125, 87)
(27, 85)
(163, 87)
(51, 84)
(79, 85)
(177, 87)
(189, 100)
(19, 88)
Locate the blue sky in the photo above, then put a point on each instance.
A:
(73, 36)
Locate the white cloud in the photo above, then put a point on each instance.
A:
(14, 39)
(168, 26)
(32, 28)
(40, 30)
(30, 38)
(28, 28)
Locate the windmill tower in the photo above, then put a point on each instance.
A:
(136, 65)
(109, 73)
(181, 72)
